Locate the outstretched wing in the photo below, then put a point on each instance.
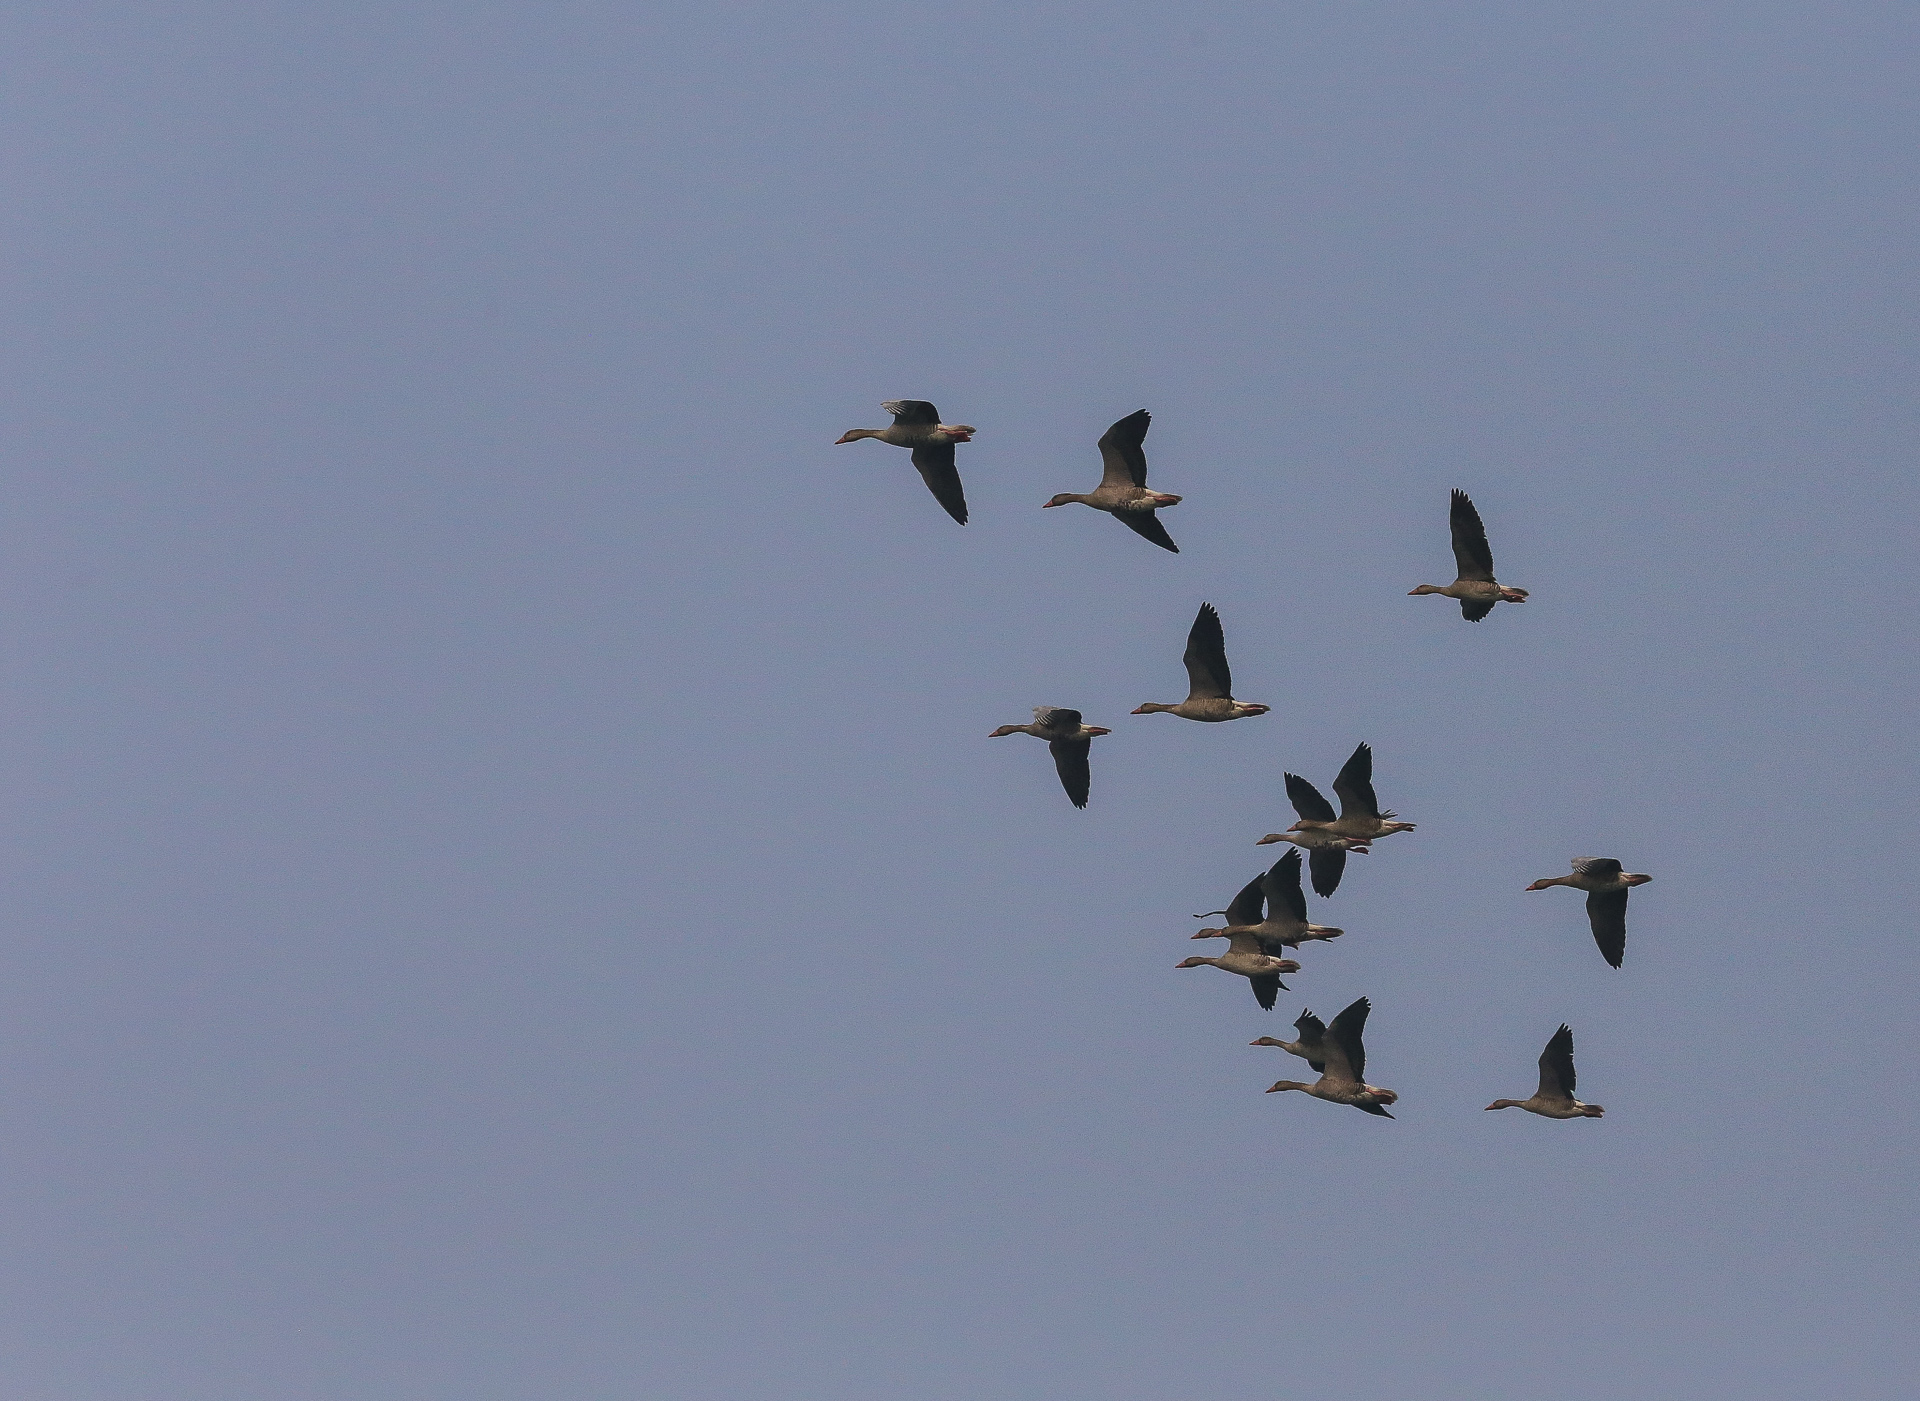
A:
(1556, 1065)
(1599, 867)
(935, 461)
(1326, 864)
(1474, 609)
(1307, 801)
(1206, 658)
(1282, 885)
(1052, 717)
(1354, 786)
(1070, 762)
(1313, 1036)
(1267, 988)
(1471, 553)
(1607, 913)
(911, 411)
(1344, 1049)
(1123, 452)
(1147, 525)
(1246, 906)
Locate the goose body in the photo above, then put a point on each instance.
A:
(1606, 885)
(1284, 926)
(1209, 681)
(1123, 492)
(1343, 1060)
(916, 425)
(1554, 1099)
(1070, 741)
(1475, 586)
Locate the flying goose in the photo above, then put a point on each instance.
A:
(1326, 838)
(1070, 742)
(1123, 486)
(1285, 926)
(1554, 1099)
(1476, 588)
(1344, 1066)
(1209, 682)
(1310, 1047)
(1606, 886)
(917, 425)
(1246, 957)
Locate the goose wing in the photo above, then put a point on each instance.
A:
(1474, 609)
(1246, 906)
(1147, 525)
(1471, 553)
(1354, 786)
(911, 412)
(1307, 801)
(1313, 1036)
(1267, 989)
(1607, 913)
(1346, 1056)
(1282, 886)
(1206, 658)
(1326, 864)
(1053, 717)
(1070, 762)
(935, 461)
(1556, 1066)
(1123, 451)
(1599, 867)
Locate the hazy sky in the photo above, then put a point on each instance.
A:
(507, 890)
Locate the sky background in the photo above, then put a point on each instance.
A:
(507, 891)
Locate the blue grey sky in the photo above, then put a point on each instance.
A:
(507, 891)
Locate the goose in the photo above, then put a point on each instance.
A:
(1325, 851)
(1310, 1047)
(1344, 1066)
(1070, 742)
(1209, 682)
(1123, 486)
(917, 425)
(1606, 886)
(1476, 588)
(1554, 1099)
(1246, 956)
(1285, 925)
(1326, 838)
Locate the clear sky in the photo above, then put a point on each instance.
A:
(507, 891)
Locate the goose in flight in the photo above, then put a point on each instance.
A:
(1209, 682)
(1285, 925)
(1606, 886)
(1343, 1066)
(1070, 742)
(1123, 489)
(1476, 588)
(917, 425)
(1326, 838)
(1246, 956)
(1554, 1099)
(1310, 1047)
